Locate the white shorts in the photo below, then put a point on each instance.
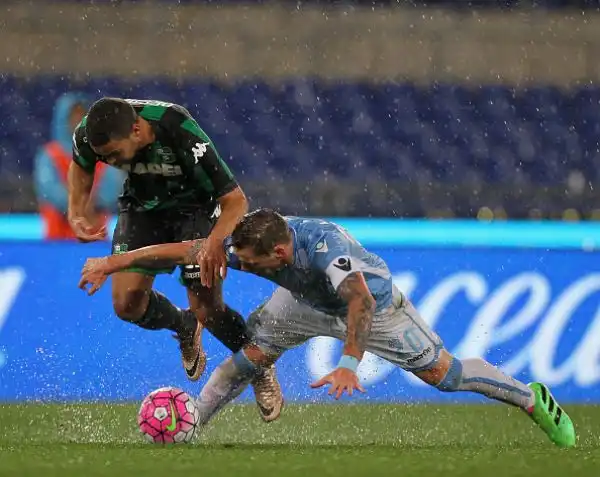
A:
(398, 334)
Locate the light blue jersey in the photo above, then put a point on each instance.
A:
(324, 255)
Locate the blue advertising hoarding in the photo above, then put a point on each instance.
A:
(383, 232)
(534, 312)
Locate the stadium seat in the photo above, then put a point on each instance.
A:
(305, 128)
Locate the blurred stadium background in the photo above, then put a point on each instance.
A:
(361, 108)
(477, 112)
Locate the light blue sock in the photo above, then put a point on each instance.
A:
(479, 376)
(225, 384)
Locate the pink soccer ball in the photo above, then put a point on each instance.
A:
(168, 415)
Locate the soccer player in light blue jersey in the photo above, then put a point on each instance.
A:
(331, 286)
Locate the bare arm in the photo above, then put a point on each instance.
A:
(96, 270)
(155, 256)
(233, 207)
(81, 214)
(211, 256)
(361, 307)
(80, 184)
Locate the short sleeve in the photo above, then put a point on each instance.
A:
(83, 155)
(331, 255)
(201, 152)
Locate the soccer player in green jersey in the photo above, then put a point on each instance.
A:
(177, 188)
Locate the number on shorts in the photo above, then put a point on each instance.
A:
(413, 340)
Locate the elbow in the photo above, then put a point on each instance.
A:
(235, 200)
(242, 201)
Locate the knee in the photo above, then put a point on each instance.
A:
(250, 360)
(452, 379)
(446, 375)
(130, 305)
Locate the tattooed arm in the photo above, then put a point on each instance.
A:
(361, 307)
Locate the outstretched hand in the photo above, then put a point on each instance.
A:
(340, 380)
(94, 273)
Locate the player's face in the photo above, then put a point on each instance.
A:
(119, 151)
(269, 263)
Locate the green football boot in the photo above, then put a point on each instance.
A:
(553, 420)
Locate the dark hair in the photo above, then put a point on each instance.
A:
(108, 119)
(261, 230)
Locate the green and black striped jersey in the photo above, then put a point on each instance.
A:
(181, 168)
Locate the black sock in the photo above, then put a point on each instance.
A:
(162, 314)
(229, 328)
